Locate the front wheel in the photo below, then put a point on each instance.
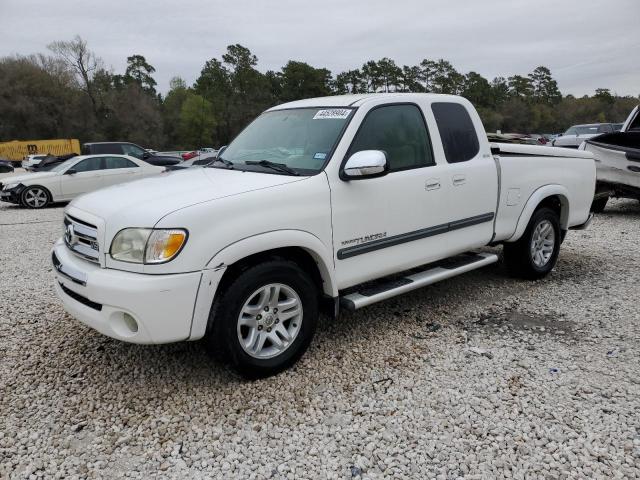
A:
(535, 254)
(35, 197)
(265, 319)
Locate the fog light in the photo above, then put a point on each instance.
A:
(124, 324)
(130, 322)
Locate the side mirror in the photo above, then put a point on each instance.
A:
(365, 164)
(146, 155)
(71, 171)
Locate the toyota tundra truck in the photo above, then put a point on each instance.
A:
(336, 202)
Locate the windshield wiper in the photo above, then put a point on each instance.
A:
(225, 162)
(278, 167)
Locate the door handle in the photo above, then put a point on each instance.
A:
(432, 184)
(459, 180)
(633, 168)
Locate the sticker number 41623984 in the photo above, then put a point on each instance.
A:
(332, 114)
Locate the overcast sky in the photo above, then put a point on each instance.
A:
(586, 44)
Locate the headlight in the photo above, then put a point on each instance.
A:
(146, 245)
(9, 186)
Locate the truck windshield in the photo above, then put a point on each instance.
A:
(300, 139)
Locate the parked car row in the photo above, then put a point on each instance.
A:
(130, 149)
(75, 176)
(577, 134)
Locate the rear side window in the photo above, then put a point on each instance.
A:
(118, 162)
(400, 132)
(457, 132)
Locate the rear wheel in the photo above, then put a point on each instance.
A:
(599, 204)
(265, 319)
(535, 254)
(35, 197)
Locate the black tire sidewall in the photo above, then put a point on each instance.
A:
(24, 192)
(539, 216)
(225, 316)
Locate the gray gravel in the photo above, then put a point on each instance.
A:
(477, 377)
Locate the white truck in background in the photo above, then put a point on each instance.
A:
(344, 201)
(617, 157)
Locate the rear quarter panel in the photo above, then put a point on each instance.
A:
(523, 176)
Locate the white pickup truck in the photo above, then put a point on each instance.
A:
(341, 201)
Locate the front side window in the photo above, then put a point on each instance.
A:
(301, 139)
(400, 132)
(118, 162)
(88, 165)
(459, 137)
(133, 150)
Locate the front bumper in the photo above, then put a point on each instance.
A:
(13, 195)
(131, 307)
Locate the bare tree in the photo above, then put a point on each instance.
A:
(82, 61)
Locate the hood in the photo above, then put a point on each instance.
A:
(26, 178)
(142, 203)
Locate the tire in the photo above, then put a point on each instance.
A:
(522, 260)
(249, 299)
(35, 197)
(599, 204)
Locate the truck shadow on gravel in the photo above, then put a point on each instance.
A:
(438, 309)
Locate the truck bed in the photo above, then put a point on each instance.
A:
(525, 168)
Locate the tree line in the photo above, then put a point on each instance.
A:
(69, 93)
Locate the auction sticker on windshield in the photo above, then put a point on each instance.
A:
(332, 113)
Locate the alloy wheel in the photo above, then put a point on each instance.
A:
(269, 321)
(35, 197)
(543, 243)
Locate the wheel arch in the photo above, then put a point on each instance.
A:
(301, 247)
(555, 197)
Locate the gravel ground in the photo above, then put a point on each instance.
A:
(477, 377)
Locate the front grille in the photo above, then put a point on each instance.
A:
(79, 298)
(81, 238)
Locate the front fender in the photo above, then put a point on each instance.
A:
(215, 268)
(534, 200)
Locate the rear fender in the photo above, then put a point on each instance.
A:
(536, 198)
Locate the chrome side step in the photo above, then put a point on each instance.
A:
(385, 288)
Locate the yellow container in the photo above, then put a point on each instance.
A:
(17, 150)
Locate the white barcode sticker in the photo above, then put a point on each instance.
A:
(331, 114)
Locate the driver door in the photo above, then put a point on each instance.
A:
(394, 222)
(87, 177)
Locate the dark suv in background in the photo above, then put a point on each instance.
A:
(127, 148)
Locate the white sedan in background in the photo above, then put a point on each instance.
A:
(74, 177)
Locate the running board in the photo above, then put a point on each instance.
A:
(378, 290)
